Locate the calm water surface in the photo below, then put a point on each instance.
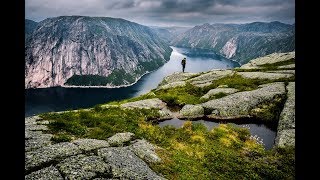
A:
(59, 99)
(264, 133)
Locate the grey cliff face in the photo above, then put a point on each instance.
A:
(64, 46)
(240, 42)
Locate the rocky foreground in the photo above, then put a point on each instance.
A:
(122, 156)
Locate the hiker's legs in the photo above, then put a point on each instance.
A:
(183, 66)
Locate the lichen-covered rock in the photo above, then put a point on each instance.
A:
(216, 91)
(37, 141)
(240, 104)
(285, 138)
(177, 76)
(287, 116)
(289, 66)
(126, 165)
(32, 119)
(146, 104)
(30, 134)
(35, 127)
(49, 153)
(172, 85)
(145, 151)
(109, 106)
(209, 77)
(120, 139)
(90, 144)
(264, 75)
(165, 113)
(283, 71)
(269, 59)
(191, 111)
(49, 173)
(83, 167)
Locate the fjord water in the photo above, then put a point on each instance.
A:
(60, 99)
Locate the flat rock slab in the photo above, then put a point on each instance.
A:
(90, 144)
(209, 77)
(83, 167)
(146, 104)
(145, 150)
(264, 75)
(289, 66)
(31, 119)
(283, 71)
(38, 141)
(172, 85)
(50, 153)
(35, 127)
(48, 173)
(287, 116)
(32, 134)
(216, 91)
(125, 164)
(177, 76)
(269, 59)
(191, 111)
(285, 138)
(120, 139)
(240, 104)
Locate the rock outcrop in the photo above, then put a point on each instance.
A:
(241, 42)
(240, 104)
(87, 158)
(286, 126)
(79, 50)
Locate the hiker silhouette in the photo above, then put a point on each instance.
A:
(183, 63)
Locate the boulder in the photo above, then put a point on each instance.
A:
(120, 139)
(90, 144)
(146, 104)
(216, 91)
(191, 111)
(240, 104)
(269, 59)
(145, 150)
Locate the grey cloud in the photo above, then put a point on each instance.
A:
(168, 12)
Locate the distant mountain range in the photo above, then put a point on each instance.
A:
(78, 50)
(240, 42)
(103, 51)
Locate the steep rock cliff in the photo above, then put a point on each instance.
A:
(67, 47)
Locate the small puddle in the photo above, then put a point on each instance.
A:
(266, 134)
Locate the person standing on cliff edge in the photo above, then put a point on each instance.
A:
(183, 63)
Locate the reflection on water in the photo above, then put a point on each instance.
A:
(262, 131)
(59, 99)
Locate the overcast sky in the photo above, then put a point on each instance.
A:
(167, 12)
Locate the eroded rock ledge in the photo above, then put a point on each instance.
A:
(120, 157)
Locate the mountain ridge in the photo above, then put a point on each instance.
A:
(63, 46)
